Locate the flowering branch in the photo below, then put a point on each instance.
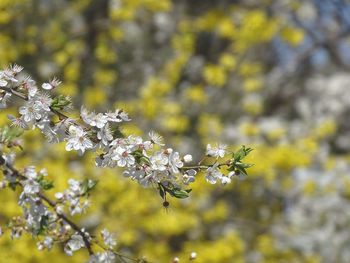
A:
(33, 190)
(69, 222)
(16, 173)
(146, 161)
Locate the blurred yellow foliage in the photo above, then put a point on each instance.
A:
(293, 36)
(215, 75)
(190, 83)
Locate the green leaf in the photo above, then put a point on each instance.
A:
(231, 168)
(175, 191)
(137, 153)
(44, 222)
(244, 165)
(87, 185)
(161, 191)
(7, 134)
(46, 185)
(13, 186)
(179, 193)
(241, 153)
(61, 101)
(140, 158)
(145, 160)
(116, 132)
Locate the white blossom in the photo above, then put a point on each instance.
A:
(188, 158)
(75, 243)
(213, 174)
(105, 135)
(156, 138)
(4, 98)
(74, 186)
(46, 86)
(16, 233)
(16, 68)
(44, 101)
(30, 187)
(59, 209)
(108, 238)
(78, 140)
(18, 122)
(32, 90)
(30, 172)
(159, 161)
(123, 157)
(53, 83)
(147, 180)
(134, 173)
(3, 82)
(46, 243)
(175, 161)
(193, 255)
(96, 120)
(30, 112)
(59, 196)
(189, 176)
(225, 180)
(10, 72)
(3, 185)
(75, 207)
(217, 151)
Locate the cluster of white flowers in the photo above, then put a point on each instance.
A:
(41, 216)
(143, 164)
(216, 151)
(213, 175)
(73, 196)
(148, 162)
(96, 131)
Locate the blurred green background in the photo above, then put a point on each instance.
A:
(271, 74)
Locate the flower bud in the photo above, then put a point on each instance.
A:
(59, 209)
(2, 185)
(59, 196)
(168, 151)
(67, 228)
(40, 246)
(193, 256)
(188, 158)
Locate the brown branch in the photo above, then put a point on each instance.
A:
(68, 221)
(17, 94)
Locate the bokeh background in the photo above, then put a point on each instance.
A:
(271, 74)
